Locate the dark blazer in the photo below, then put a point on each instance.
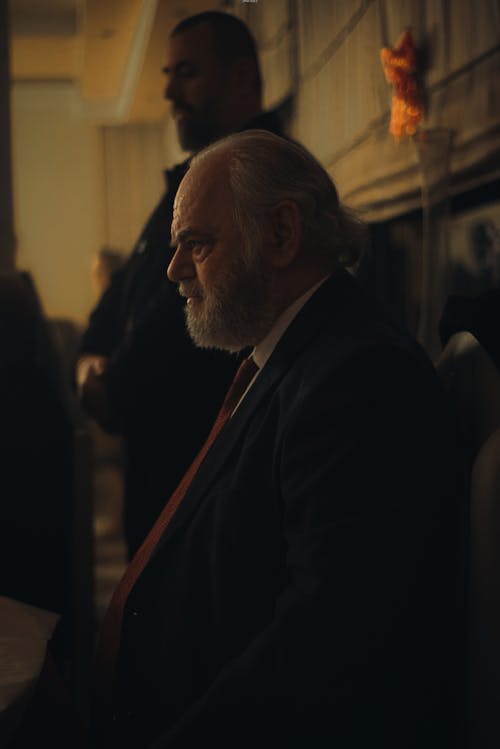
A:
(308, 591)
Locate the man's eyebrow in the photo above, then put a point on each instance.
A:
(176, 238)
(184, 234)
(175, 68)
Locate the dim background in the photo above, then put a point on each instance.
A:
(91, 134)
(85, 135)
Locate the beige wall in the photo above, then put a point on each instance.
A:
(58, 191)
(6, 200)
(79, 186)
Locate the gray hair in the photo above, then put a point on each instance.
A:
(265, 169)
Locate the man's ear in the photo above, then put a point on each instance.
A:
(285, 233)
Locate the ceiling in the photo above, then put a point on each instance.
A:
(112, 50)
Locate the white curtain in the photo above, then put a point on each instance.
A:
(133, 158)
(326, 53)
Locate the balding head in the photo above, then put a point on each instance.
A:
(265, 170)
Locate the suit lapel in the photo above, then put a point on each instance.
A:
(324, 304)
(220, 450)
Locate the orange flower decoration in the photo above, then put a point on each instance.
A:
(400, 67)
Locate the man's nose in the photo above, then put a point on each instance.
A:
(181, 266)
(171, 89)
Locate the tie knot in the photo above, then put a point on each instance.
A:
(242, 379)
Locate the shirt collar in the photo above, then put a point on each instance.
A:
(265, 348)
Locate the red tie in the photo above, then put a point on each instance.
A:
(109, 638)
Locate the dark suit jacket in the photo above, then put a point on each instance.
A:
(308, 591)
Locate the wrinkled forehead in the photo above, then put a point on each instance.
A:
(204, 188)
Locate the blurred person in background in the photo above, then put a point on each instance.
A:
(35, 464)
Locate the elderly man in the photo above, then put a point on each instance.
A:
(138, 372)
(302, 587)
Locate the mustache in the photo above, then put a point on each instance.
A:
(190, 289)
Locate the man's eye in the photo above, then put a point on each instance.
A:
(199, 248)
(185, 72)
